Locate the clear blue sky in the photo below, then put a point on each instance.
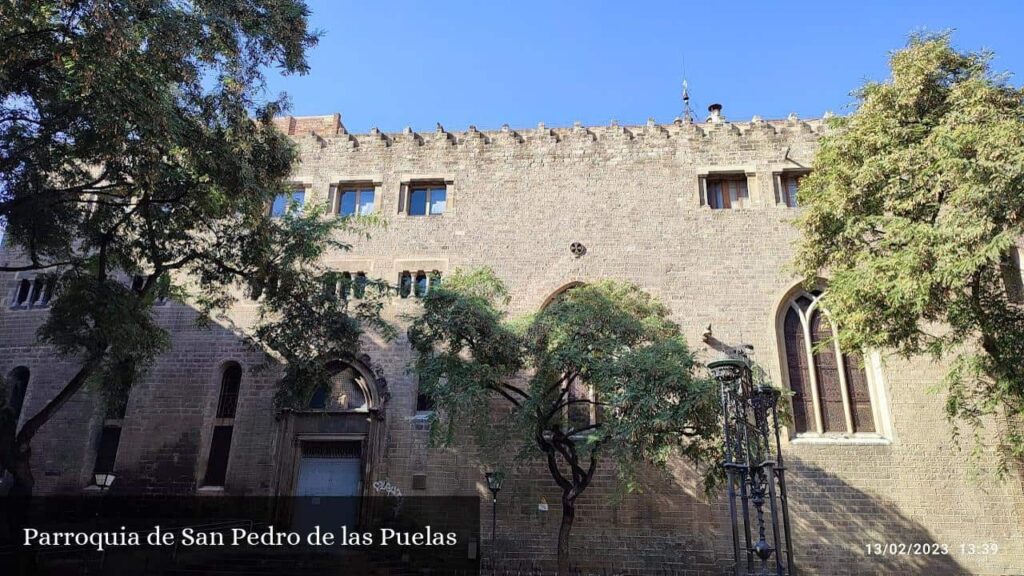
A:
(392, 64)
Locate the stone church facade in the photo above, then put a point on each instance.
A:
(698, 214)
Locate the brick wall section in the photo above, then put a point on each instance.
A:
(518, 200)
(305, 125)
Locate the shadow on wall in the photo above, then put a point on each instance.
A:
(670, 529)
(833, 523)
(162, 433)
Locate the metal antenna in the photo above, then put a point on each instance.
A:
(687, 109)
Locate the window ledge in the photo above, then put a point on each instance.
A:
(422, 415)
(866, 440)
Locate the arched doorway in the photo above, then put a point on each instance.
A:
(330, 446)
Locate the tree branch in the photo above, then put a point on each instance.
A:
(33, 424)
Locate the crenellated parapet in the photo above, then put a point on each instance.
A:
(328, 131)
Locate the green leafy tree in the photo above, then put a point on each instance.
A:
(135, 140)
(601, 373)
(913, 211)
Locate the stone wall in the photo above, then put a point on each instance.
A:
(516, 201)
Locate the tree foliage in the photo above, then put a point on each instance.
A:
(135, 139)
(913, 210)
(645, 399)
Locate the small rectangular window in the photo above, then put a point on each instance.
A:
(427, 200)
(727, 192)
(220, 448)
(285, 202)
(21, 296)
(789, 184)
(359, 202)
(424, 403)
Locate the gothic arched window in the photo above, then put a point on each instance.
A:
(831, 393)
(223, 426)
(583, 407)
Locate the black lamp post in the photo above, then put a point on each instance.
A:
(104, 481)
(494, 485)
(754, 466)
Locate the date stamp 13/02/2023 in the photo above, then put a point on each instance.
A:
(931, 549)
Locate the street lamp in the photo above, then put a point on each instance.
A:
(494, 485)
(104, 481)
(753, 463)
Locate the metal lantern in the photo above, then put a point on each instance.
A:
(494, 485)
(755, 471)
(104, 481)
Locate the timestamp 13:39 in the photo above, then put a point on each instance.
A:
(931, 549)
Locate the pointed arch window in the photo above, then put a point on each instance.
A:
(582, 410)
(224, 426)
(832, 393)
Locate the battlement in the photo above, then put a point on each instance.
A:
(330, 130)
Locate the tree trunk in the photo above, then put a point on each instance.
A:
(17, 448)
(568, 515)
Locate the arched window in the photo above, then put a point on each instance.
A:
(405, 284)
(583, 409)
(224, 424)
(831, 394)
(230, 382)
(17, 385)
(421, 284)
(359, 287)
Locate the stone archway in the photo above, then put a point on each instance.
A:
(333, 444)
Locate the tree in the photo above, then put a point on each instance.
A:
(600, 373)
(133, 141)
(913, 211)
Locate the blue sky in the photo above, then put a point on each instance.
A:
(392, 64)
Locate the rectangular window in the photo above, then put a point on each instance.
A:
(285, 202)
(220, 448)
(354, 202)
(727, 192)
(788, 184)
(424, 403)
(427, 200)
(106, 454)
